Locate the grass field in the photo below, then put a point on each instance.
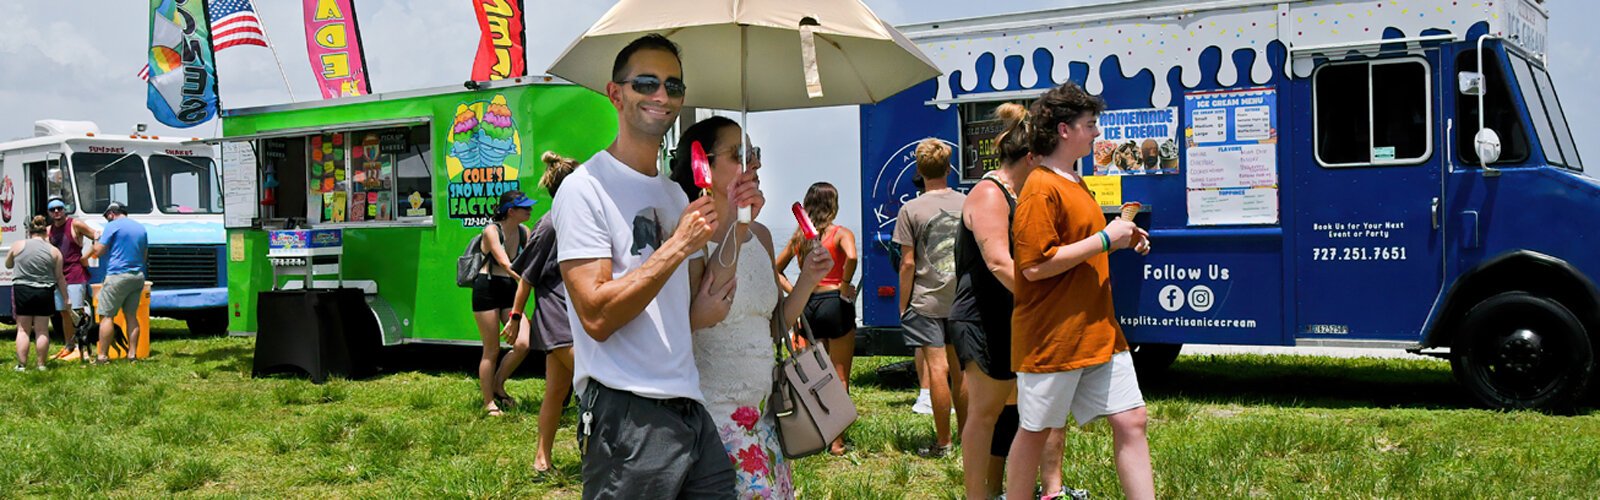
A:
(192, 422)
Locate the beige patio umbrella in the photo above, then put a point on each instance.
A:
(759, 55)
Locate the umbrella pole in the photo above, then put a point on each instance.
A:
(745, 215)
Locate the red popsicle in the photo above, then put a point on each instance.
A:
(701, 166)
(800, 216)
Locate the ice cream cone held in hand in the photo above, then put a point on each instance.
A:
(1129, 210)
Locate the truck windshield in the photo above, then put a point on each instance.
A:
(185, 184)
(1545, 109)
(106, 177)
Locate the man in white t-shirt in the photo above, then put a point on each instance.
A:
(623, 233)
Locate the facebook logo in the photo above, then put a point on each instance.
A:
(1171, 298)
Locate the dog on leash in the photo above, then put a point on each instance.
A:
(86, 332)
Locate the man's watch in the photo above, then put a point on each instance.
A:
(516, 316)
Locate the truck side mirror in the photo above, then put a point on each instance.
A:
(1471, 83)
(1487, 145)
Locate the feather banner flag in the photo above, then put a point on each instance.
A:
(333, 42)
(182, 75)
(500, 53)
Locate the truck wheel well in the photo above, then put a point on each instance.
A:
(1524, 271)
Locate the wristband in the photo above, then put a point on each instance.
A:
(1105, 241)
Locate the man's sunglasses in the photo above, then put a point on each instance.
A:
(738, 155)
(648, 84)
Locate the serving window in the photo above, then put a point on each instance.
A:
(979, 154)
(366, 176)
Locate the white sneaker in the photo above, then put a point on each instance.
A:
(924, 404)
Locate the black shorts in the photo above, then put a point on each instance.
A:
(829, 315)
(33, 301)
(493, 293)
(974, 345)
(668, 448)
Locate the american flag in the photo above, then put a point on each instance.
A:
(233, 23)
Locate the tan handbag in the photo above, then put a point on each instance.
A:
(808, 399)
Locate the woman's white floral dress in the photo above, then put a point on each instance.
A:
(735, 359)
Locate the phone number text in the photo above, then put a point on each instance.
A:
(1358, 253)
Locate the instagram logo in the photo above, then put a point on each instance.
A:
(1200, 298)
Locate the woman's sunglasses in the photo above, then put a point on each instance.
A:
(648, 84)
(738, 155)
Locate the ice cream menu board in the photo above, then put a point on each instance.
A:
(1232, 157)
(1137, 142)
(238, 184)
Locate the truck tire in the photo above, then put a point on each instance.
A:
(1516, 350)
(1153, 359)
(209, 324)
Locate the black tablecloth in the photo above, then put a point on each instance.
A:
(319, 332)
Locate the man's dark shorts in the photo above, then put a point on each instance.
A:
(923, 331)
(637, 447)
(991, 354)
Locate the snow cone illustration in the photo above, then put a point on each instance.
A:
(8, 194)
(462, 145)
(498, 133)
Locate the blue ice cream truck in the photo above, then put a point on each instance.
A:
(1393, 173)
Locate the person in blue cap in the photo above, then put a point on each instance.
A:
(493, 292)
(125, 246)
(67, 234)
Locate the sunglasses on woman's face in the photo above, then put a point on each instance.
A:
(738, 155)
(648, 84)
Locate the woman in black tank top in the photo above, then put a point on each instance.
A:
(981, 315)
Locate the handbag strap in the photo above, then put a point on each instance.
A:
(784, 342)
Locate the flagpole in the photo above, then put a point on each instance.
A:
(274, 48)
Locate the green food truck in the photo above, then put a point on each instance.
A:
(408, 178)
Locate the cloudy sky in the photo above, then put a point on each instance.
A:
(80, 63)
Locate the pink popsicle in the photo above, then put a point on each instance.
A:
(804, 220)
(700, 164)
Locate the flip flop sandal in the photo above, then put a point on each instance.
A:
(505, 401)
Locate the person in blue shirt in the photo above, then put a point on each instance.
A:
(123, 246)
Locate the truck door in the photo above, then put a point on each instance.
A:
(1368, 249)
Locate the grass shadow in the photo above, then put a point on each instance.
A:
(431, 359)
(1310, 381)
